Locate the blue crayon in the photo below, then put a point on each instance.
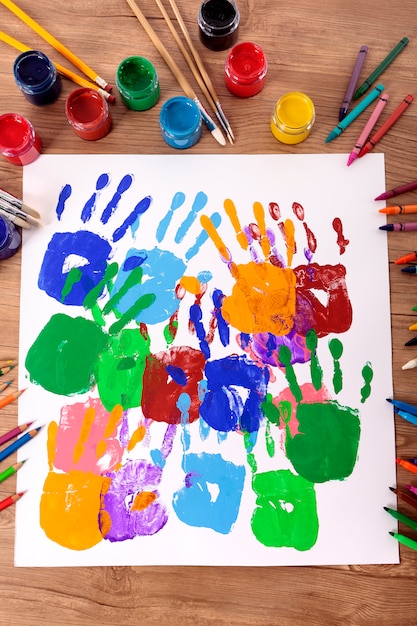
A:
(350, 117)
(403, 406)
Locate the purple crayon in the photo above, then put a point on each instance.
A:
(399, 227)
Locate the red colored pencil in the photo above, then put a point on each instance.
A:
(10, 500)
(405, 497)
(395, 115)
(10, 398)
(15, 432)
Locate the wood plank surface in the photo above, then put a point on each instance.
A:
(310, 47)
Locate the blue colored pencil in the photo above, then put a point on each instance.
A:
(18, 443)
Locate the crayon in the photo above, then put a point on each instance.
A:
(400, 227)
(368, 128)
(399, 209)
(360, 59)
(397, 191)
(354, 113)
(389, 122)
(380, 68)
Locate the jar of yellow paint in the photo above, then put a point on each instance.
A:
(293, 118)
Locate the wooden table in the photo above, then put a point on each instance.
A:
(311, 47)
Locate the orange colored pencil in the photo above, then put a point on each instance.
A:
(10, 398)
(10, 500)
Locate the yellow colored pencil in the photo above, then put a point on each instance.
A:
(78, 80)
(56, 44)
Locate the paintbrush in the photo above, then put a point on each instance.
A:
(202, 69)
(176, 71)
(18, 204)
(195, 71)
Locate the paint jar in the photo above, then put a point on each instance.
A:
(218, 22)
(37, 78)
(88, 114)
(180, 122)
(138, 83)
(9, 238)
(20, 144)
(293, 118)
(245, 69)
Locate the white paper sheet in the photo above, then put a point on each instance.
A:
(237, 485)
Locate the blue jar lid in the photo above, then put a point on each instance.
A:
(180, 122)
(34, 72)
(4, 233)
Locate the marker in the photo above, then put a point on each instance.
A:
(404, 519)
(403, 406)
(15, 432)
(408, 416)
(404, 226)
(408, 258)
(10, 500)
(394, 117)
(411, 269)
(354, 113)
(353, 81)
(399, 209)
(397, 191)
(410, 364)
(410, 487)
(10, 471)
(380, 68)
(407, 465)
(18, 443)
(379, 107)
(411, 342)
(408, 498)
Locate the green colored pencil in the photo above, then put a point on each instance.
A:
(10, 471)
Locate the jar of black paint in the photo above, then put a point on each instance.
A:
(218, 21)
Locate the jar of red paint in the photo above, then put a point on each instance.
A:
(245, 69)
(20, 144)
(88, 114)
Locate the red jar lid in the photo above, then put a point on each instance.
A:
(246, 63)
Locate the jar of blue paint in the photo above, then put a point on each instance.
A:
(9, 238)
(180, 122)
(37, 78)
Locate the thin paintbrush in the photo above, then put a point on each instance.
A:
(182, 80)
(56, 44)
(9, 208)
(193, 69)
(18, 204)
(78, 80)
(200, 65)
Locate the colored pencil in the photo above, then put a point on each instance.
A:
(397, 191)
(12, 397)
(176, 71)
(10, 471)
(18, 443)
(4, 386)
(404, 519)
(7, 363)
(83, 67)
(381, 132)
(410, 467)
(368, 128)
(405, 497)
(10, 500)
(203, 72)
(15, 432)
(381, 68)
(78, 80)
(410, 543)
(6, 370)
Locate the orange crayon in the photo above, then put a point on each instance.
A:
(400, 209)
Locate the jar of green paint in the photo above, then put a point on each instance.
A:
(138, 83)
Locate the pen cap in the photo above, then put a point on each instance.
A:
(293, 118)
(9, 238)
(20, 144)
(138, 83)
(88, 114)
(36, 77)
(218, 22)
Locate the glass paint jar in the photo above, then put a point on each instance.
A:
(245, 69)
(10, 238)
(293, 118)
(37, 78)
(88, 114)
(180, 122)
(20, 144)
(138, 83)
(218, 22)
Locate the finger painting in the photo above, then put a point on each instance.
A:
(200, 342)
